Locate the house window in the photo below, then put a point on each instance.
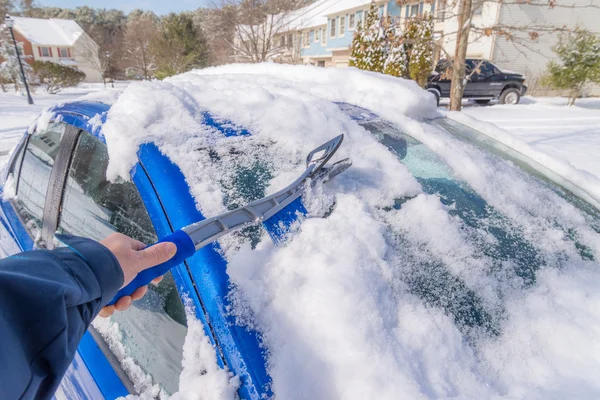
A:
(63, 52)
(332, 28)
(414, 10)
(380, 11)
(290, 40)
(45, 52)
(306, 40)
(441, 9)
(342, 25)
(282, 41)
(317, 35)
(351, 21)
(324, 36)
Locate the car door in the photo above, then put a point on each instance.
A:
(31, 176)
(471, 77)
(442, 77)
(144, 344)
(485, 80)
(26, 186)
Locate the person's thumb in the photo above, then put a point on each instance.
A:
(156, 254)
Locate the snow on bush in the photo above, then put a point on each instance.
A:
(334, 304)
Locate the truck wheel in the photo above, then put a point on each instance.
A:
(510, 96)
(436, 93)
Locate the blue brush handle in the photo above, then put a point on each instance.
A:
(185, 249)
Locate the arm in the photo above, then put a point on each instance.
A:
(49, 298)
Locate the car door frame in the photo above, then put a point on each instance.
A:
(91, 349)
(471, 79)
(94, 358)
(485, 87)
(108, 376)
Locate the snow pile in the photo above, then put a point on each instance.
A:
(548, 124)
(584, 180)
(343, 307)
(201, 377)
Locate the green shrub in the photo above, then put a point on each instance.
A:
(55, 76)
(579, 55)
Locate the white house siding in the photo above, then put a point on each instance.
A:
(531, 57)
(86, 56)
(480, 46)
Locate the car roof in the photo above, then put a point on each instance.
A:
(84, 114)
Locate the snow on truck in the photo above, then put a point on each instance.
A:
(443, 258)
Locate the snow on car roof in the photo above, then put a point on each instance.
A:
(333, 305)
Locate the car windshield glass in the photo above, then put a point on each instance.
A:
(499, 240)
(564, 188)
(245, 172)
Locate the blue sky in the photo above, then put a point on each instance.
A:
(160, 7)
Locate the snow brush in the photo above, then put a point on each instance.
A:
(197, 235)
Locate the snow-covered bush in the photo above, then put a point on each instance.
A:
(368, 49)
(55, 76)
(579, 54)
(379, 45)
(418, 37)
(395, 63)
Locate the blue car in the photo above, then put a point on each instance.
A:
(56, 181)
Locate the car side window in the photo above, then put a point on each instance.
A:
(33, 171)
(469, 67)
(92, 206)
(487, 69)
(152, 331)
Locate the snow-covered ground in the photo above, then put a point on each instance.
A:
(548, 124)
(16, 115)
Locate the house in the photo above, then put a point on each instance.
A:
(61, 41)
(322, 33)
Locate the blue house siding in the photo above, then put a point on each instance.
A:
(394, 9)
(343, 43)
(315, 49)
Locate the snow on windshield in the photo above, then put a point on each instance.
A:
(335, 305)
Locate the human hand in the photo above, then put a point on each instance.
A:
(134, 257)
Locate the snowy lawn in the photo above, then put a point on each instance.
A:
(548, 124)
(16, 115)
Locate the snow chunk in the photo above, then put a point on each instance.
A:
(202, 378)
(9, 189)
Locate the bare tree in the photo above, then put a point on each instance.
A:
(216, 25)
(258, 26)
(522, 36)
(140, 32)
(100, 60)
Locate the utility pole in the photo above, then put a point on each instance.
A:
(10, 23)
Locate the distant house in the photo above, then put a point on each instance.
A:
(321, 34)
(61, 41)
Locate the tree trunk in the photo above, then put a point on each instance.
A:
(460, 54)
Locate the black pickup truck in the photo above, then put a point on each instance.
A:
(485, 82)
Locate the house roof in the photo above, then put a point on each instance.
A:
(316, 13)
(49, 32)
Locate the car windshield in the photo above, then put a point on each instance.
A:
(500, 241)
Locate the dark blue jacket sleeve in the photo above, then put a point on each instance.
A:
(47, 301)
